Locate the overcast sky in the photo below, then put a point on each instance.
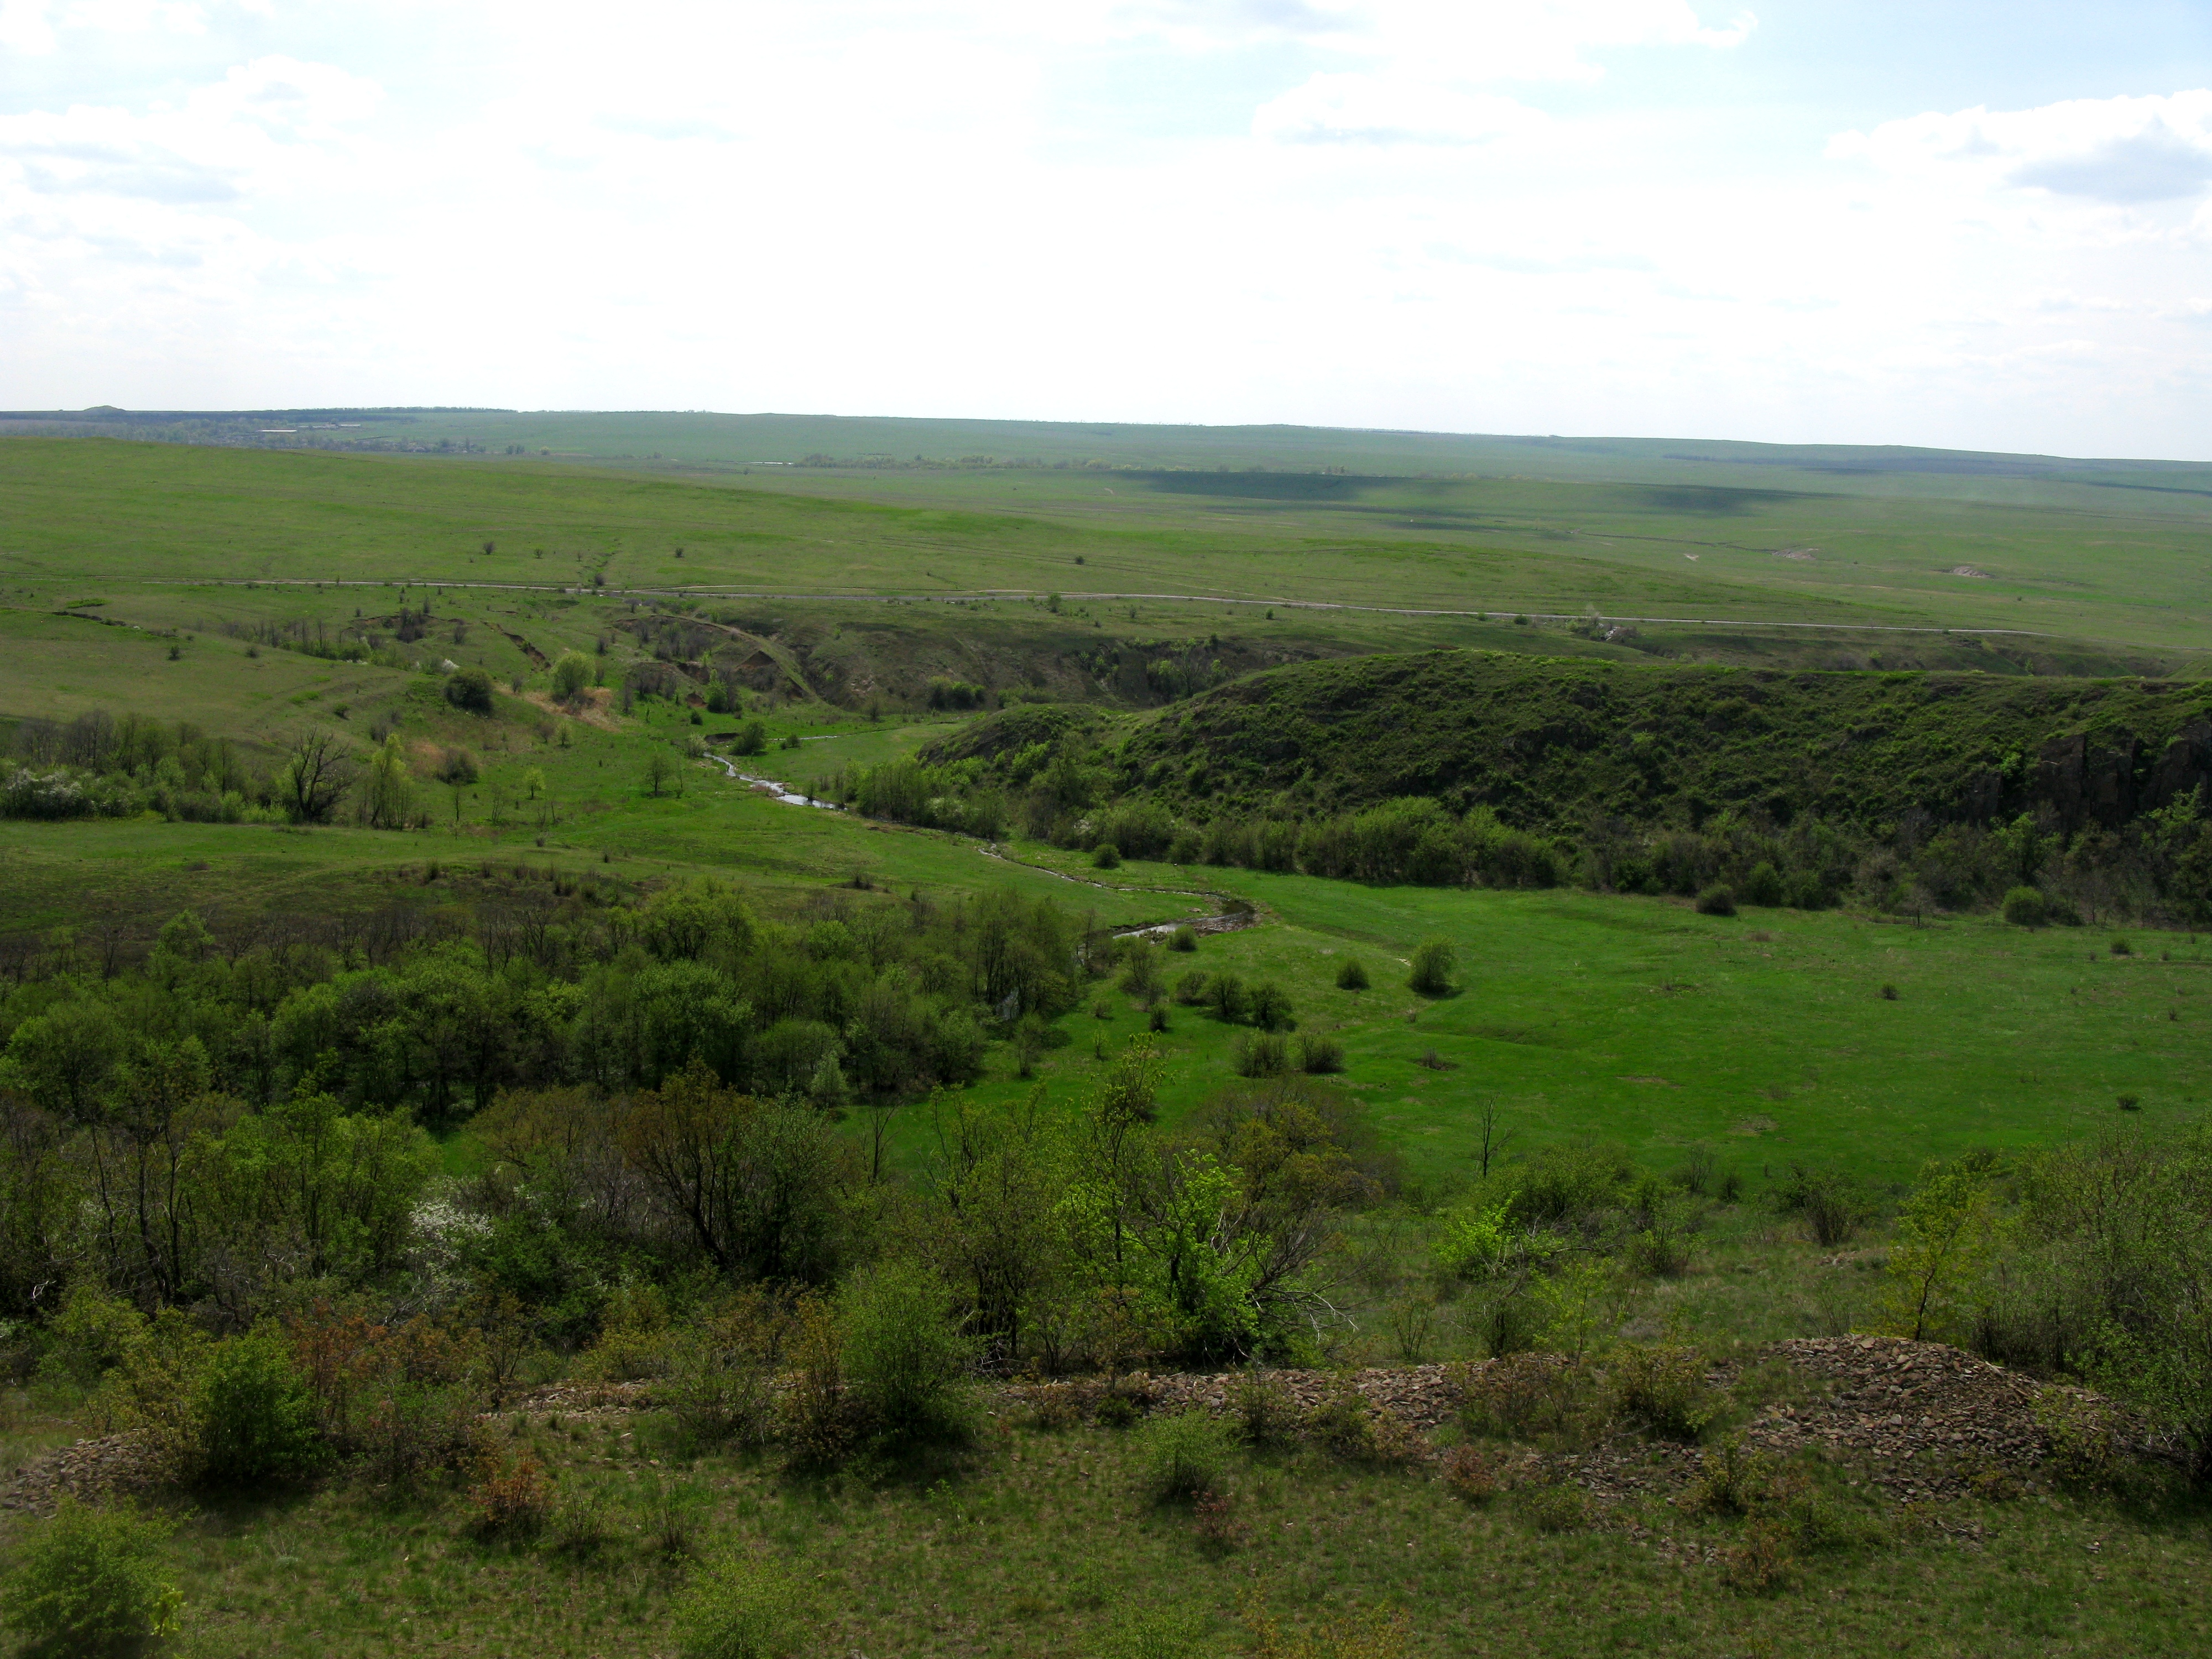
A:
(1984, 226)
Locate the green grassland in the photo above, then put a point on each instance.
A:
(1764, 1037)
(1041, 1543)
(2066, 562)
(1862, 1043)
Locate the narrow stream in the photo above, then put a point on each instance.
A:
(1229, 920)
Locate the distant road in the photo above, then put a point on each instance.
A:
(1500, 612)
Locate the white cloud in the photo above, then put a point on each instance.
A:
(269, 121)
(2112, 151)
(35, 26)
(1369, 109)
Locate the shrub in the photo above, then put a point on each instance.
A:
(2080, 1437)
(1662, 1385)
(1270, 1007)
(469, 689)
(1190, 988)
(1261, 1054)
(1319, 1056)
(1889, 994)
(571, 672)
(90, 1581)
(738, 1609)
(1433, 962)
(1732, 1479)
(1472, 1473)
(88, 1338)
(717, 1386)
(1831, 1205)
(1762, 1564)
(1183, 938)
(2025, 907)
(1717, 900)
(1262, 1409)
(1517, 1396)
(1764, 886)
(579, 1521)
(1226, 997)
(1108, 857)
(905, 1364)
(511, 1501)
(257, 1416)
(1351, 975)
(1183, 1456)
(1341, 1422)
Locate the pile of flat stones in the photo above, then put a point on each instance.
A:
(1921, 1418)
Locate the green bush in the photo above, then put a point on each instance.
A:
(1319, 1056)
(1108, 857)
(89, 1338)
(1183, 938)
(1352, 975)
(1764, 886)
(90, 1581)
(2025, 907)
(469, 689)
(906, 1363)
(1183, 1456)
(1261, 1054)
(1269, 1008)
(1830, 1202)
(1190, 988)
(1717, 900)
(257, 1416)
(1433, 962)
(740, 1609)
(1226, 996)
(1663, 1386)
(571, 674)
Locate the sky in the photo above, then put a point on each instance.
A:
(1975, 226)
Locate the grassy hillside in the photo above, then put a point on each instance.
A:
(1695, 563)
(1552, 744)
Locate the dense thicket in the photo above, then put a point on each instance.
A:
(1905, 791)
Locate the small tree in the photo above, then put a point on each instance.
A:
(1943, 1240)
(659, 767)
(1352, 975)
(571, 674)
(1433, 962)
(2025, 907)
(317, 775)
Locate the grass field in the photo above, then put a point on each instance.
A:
(2078, 561)
(1042, 1544)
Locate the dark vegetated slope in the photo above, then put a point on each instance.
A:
(1554, 744)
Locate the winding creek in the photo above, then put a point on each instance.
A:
(1233, 913)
